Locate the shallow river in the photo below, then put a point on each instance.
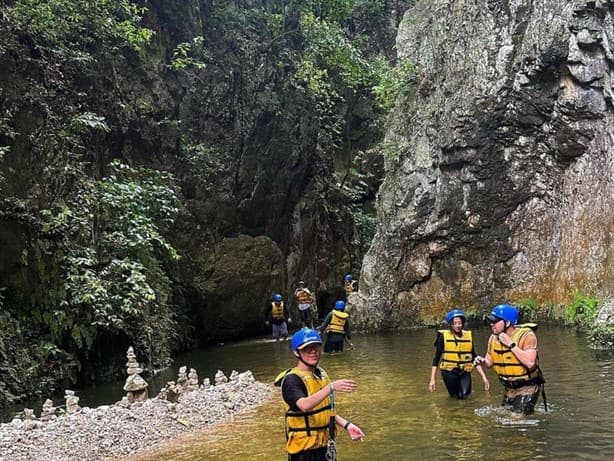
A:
(403, 421)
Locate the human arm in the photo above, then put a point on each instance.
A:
(348, 333)
(352, 429)
(432, 384)
(327, 319)
(525, 350)
(481, 372)
(436, 358)
(287, 314)
(485, 361)
(295, 393)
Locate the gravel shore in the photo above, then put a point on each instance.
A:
(113, 431)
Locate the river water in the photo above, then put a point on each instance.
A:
(401, 418)
(404, 421)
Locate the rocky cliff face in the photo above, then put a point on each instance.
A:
(503, 183)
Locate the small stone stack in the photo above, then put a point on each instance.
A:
(72, 402)
(192, 380)
(220, 378)
(135, 386)
(182, 378)
(48, 412)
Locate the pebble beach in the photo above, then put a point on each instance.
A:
(119, 430)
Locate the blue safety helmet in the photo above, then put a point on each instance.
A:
(304, 337)
(277, 297)
(348, 277)
(339, 306)
(505, 312)
(455, 313)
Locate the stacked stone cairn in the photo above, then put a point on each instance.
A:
(72, 402)
(220, 378)
(192, 380)
(135, 386)
(48, 412)
(182, 379)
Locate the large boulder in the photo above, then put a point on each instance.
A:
(503, 182)
(240, 276)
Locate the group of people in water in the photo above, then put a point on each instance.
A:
(512, 353)
(309, 394)
(336, 324)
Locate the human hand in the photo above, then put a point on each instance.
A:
(504, 339)
(478, 360)
(486, 383)
(289, 320)
(344, 385)
(432, 385)
(355, 432)
(266, 323)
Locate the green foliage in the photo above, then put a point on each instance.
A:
(393, 81)
(89, 121)
(329, 45)
(112, 239)
(332, 10)
(202, 163)
(366, 226)
(527, 308)
(70, 24)
(582, 309)
(190, 55)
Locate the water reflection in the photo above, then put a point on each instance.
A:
(403, 421)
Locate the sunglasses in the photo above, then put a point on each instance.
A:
(311, 348)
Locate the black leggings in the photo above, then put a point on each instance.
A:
(319, 454)
(457, 382)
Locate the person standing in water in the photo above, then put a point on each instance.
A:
(309, 397)
(304, 299)
(512, 352)
(337, 328)
(278, 317)
(349, 285)
(454, 355)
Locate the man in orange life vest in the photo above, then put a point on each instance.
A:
(512, 352)
(304, 298)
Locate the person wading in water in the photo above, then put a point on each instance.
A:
(512, 352)
(309, 396)
(454, 356)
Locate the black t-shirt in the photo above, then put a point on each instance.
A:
(293, 389)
